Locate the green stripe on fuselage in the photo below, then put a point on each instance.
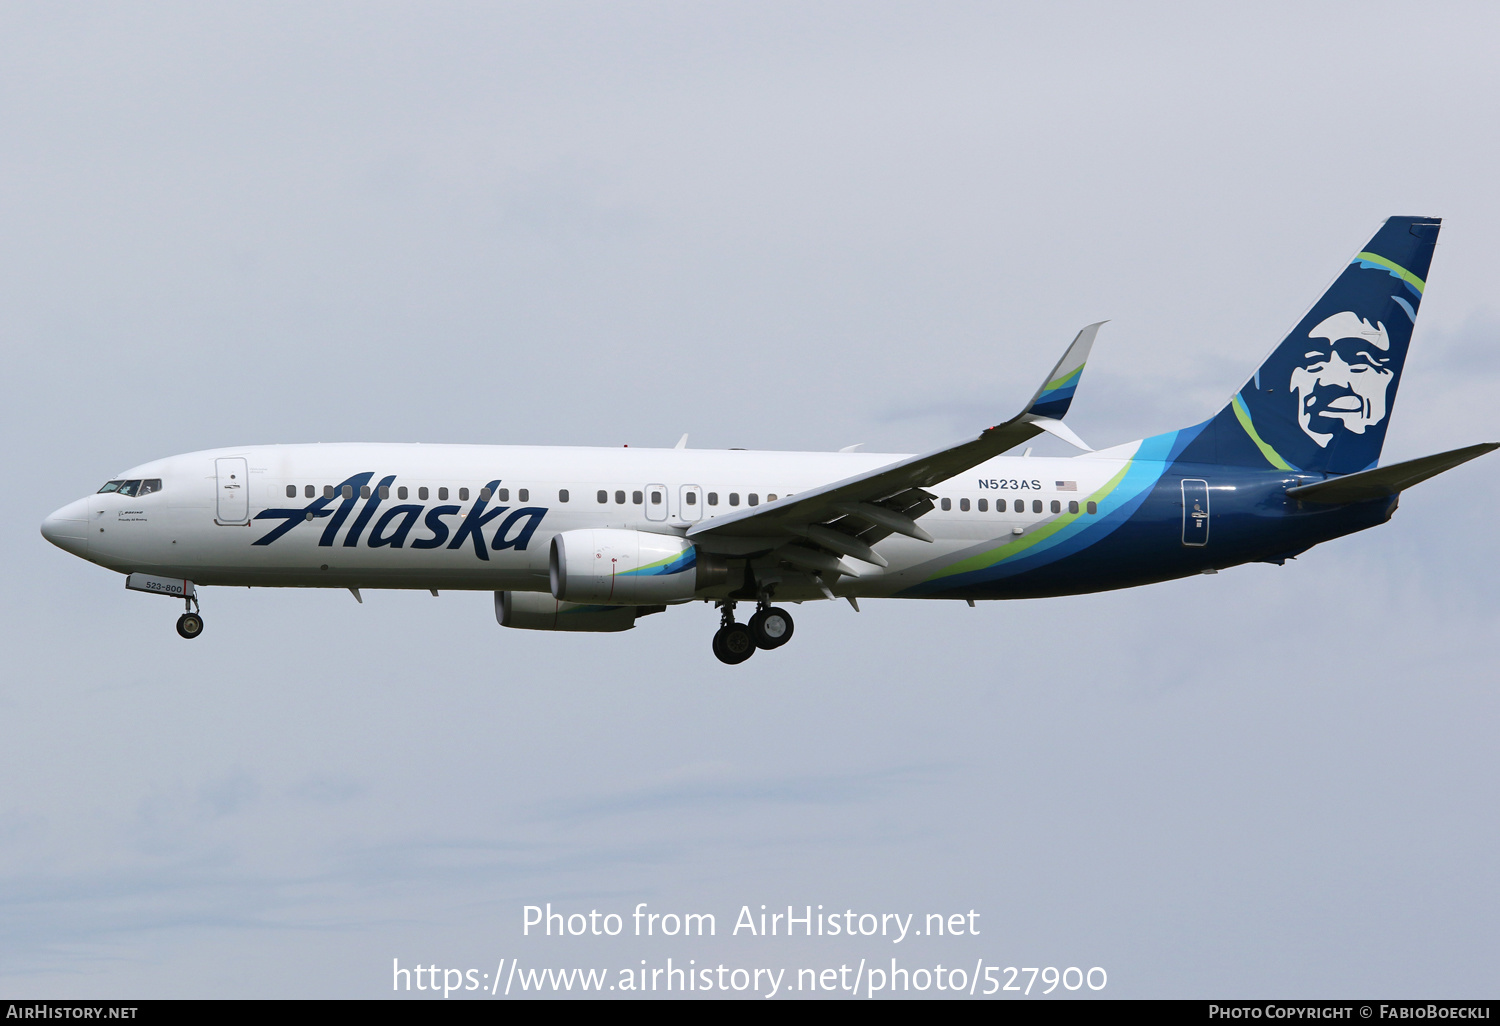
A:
(1019, 544)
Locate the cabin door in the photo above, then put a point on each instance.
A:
(233, 476)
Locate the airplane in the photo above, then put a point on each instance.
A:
(592, 539)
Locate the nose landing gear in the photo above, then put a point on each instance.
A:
(190, 623)
(770, 627)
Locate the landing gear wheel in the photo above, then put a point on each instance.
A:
(771, 627)
(190, 625)
(733, 643)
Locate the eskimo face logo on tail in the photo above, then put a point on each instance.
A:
(1341, 382)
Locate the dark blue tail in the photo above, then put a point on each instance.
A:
(1322, 400)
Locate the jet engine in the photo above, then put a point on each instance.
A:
(538, 611)
(622, 567)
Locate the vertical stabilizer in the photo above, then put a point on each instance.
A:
(1323, 399)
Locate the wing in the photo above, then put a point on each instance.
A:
(847, 517)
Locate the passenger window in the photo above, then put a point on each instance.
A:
(753, 499)
(771, 497)
(713, 498)
(1036, 505)
(637, 498)
(524, 495)
(692, 498)
(308, 493)
(734, 498)
(603, 496)
(364, 491)
(562, 495)
(655, 498)
(110, 486)
(291, 491)
(963, 505)
(463, 495)
(984, 505)
(422, 493)
(1092, 507)
(1056, 506)
(442, 495)
(401, 492)
(328, 491)
(1072, 505)
(349, 491)
(619, 497)
(485, 493)
(947, 505)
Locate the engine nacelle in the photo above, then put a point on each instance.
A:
(538, 611)
(621, 567)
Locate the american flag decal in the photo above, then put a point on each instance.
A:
(1067, 486)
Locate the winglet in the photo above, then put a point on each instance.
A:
(1053, 398)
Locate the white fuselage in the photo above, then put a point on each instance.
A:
(203, 526)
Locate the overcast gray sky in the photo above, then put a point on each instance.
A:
(792, 226)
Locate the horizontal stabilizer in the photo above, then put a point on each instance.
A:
(1385, 481)
(1061, 430)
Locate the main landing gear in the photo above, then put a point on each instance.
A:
(770, 627)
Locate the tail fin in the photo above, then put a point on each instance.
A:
(1323, 399)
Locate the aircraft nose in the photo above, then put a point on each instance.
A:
(67, 528)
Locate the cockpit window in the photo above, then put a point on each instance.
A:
(131, 487)
(151, 484)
